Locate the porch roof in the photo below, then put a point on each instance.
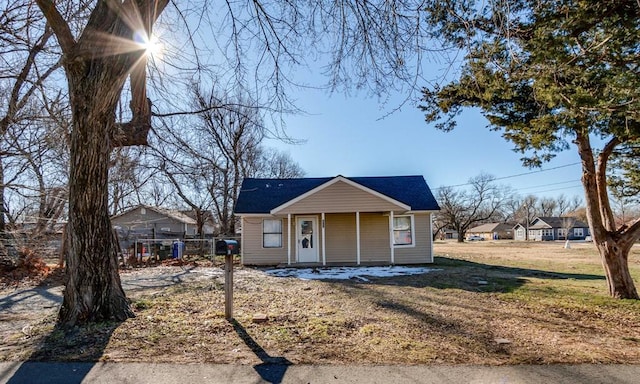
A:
(259, 196)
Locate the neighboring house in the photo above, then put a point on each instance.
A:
(447, 234)
(553, 228)
(209, 227)
(155, 218)
(336, 220)
(492, 231)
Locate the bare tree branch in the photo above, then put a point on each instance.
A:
(59, 26)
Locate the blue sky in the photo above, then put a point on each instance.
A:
(346, 135)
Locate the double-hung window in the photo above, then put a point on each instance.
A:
(272, 233)
(403, 232)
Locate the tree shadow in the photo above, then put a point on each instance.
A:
(79, 348)
(472, 276)
(63, 355)
(272, 369)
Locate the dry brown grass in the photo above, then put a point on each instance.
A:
(548, 302)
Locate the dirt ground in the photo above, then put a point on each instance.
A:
(484, 303)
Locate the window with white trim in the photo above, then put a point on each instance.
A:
(271, 233)
(403, 232)
(520, 233)
(562, 232)
(547, 232)
(578, 232)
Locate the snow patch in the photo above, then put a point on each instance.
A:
(345, 273)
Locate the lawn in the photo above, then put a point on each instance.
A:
(487, 303)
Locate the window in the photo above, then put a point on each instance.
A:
(403, 230)
(578, 232)
(520, 233)
(547, 232)
(272, 233)
(562, 232)
(143, 211)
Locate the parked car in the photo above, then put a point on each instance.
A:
(475, 238)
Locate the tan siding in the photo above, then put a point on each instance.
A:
(421, 253)
(340, 197)
(252, 251)
(374, 238)
(340, 232)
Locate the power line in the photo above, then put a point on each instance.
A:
(549, 185)
(512, 176)
(559, 189)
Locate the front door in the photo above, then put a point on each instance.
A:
(307, 239)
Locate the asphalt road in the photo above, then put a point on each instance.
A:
(147, 373)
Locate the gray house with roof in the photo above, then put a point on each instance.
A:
(158, 219)
(552, 228)
(336, 220)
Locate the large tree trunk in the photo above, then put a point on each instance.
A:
(97, 65)
(93, 290)
(616, 266)
(613, 244)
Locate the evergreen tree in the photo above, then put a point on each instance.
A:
(549, 74)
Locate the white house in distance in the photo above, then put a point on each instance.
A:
(336, 221)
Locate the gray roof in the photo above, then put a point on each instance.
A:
(557, 222)
(263, 195)
(171, 213)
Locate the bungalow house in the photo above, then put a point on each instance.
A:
(492, 231)
(158, 220)
(336, 220)
(553, 228)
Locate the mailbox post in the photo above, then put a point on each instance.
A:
(228, 248)
(228, 287)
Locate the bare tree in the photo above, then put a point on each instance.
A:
(128, 175)
(276, 164)
(547, 206)
(566, 205)
(216, 149)
(28, 59)
(481, 202)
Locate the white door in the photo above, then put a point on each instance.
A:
(307, 239)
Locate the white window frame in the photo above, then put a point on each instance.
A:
(412, 229)
(520, 232)
(547, 232)
(271, 233)
(578, 232)
(562, 232)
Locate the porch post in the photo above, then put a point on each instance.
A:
(288, 239)
(431, 235)
(393, 256)
(324, 253)
(358, 237)
(241, 242)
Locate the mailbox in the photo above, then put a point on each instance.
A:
(226, 247)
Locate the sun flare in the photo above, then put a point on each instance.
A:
(151, 45)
